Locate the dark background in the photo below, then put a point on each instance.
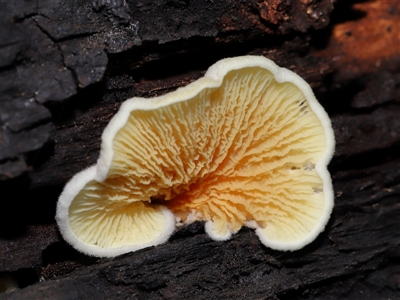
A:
(65, 68)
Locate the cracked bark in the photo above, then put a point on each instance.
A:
(66, 67)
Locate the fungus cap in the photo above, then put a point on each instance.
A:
(246, 145)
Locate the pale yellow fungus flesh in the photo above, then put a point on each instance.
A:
(240, 152)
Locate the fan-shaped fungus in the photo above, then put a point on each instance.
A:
(247, 144)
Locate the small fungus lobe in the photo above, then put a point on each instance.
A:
(246, 145)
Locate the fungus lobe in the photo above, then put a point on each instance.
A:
(246, 145)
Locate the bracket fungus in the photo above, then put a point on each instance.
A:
(246, 145)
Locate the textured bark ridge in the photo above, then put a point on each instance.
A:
(65, 67)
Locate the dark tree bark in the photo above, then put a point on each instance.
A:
(65, 68)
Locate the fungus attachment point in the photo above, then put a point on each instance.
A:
(246, 145)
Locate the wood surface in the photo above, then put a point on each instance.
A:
(65, 68)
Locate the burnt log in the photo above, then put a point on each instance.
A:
(65, 68)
